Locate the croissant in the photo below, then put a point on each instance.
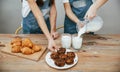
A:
(24, 46)
(17, 44)
(17, 39)
(16, 49)
(27, 43)
(27, 51)
(36, 48)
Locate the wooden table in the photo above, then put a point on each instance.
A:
(99, 53)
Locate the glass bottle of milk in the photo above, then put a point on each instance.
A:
(66, 40)
(91, 25)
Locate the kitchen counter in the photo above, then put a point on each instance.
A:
(99, 53)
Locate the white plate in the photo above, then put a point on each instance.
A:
(50, 61)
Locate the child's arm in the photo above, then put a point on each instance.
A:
(69, 12)
(39, 17)
(91, 13)
(71, 15)
(53, 16)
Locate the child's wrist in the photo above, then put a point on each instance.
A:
(79, 22)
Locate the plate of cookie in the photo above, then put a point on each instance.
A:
(61, 59)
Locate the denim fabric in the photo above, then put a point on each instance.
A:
(30, 24)
(79, 11)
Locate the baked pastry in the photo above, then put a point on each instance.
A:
(24, 46)
(71, 54)
(27, 51)
(36, 48)
(60, 62)
(19, 43)
(63, 56)
(17, 39)
(61, 50)
(54, 55)
(69, 61)
(16, 49)
(27, 43)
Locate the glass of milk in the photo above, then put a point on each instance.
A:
(76, 42)
(66, 40)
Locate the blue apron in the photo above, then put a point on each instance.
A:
(70, 26)
(30, 24)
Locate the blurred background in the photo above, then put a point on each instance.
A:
(10, 16)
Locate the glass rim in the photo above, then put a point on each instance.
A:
(75, 35)
(66, 34)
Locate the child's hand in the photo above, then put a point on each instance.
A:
(55, 35)
(52, 45)
(79, 25)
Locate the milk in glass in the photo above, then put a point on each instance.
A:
(66, 40)
(76, 42)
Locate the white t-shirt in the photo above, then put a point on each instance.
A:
(26, 9)
(78, 3)
(65, 1)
